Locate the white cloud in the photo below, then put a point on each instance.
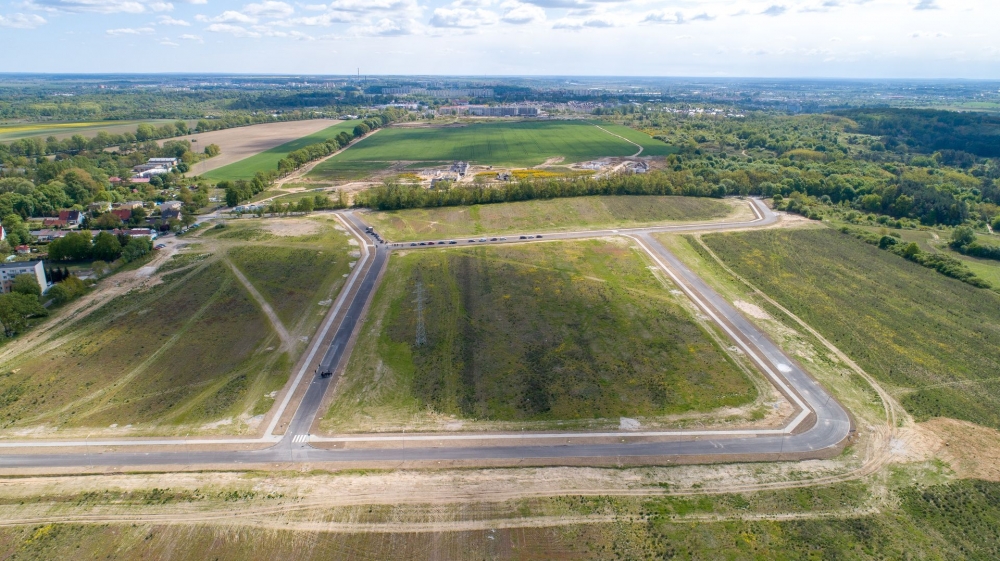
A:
(519, 13)
(189, 37)
(578, 24)
(131, 31)
(386, 27)
(167, 20)
(270, 9)
(463, 18)
(369, 6)
(234, 30)
(229, 16)
(169, 43)
(927, 5)
(94, 6)
(21, 21)
(675, 18)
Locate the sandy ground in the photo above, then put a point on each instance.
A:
(243, 142)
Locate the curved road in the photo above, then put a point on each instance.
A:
(819, 426)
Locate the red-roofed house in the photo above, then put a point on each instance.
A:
(71, 217)
(54, 223)
(122, 213)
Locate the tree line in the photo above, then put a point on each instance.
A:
(395, 196)
(240, 191)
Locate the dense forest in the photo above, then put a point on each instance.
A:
(927, 131)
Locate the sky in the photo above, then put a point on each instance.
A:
(710, 38)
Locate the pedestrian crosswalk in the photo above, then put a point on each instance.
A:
(299, 438)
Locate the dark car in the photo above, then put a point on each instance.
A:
(524, 237)
(413, 244)
(538, 237)
(430, 243)
(493, 239)
(472, 241)
(452, 242)
(422, 243)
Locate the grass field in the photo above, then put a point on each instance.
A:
(515, 144)
(545, 215)
(268, 159)
(191, 351)
(932, 340)
(66, 130)
(337, 169)
(545, 332)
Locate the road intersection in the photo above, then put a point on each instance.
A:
(818, 426)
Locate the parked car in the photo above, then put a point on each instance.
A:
(413, 244)
(524, 237)
(452, 242)
(493, 239)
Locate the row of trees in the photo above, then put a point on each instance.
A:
(942, 263)
(395, 196)
(105, 246)
(964, 240)
(302, 156)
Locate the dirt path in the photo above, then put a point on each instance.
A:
(106, 289)
(304, 170)
(286, 338)
(636, 155)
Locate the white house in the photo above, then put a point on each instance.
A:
(10, 270)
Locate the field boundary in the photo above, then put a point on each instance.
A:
(636, 155)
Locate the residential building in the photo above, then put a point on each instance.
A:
(54, 223)
(170, 214)
(23, 249)
(47, 235)
(99, 206)
(71, 218)
(137, 233)
(8, 271)
(171, 205)
(123, 214)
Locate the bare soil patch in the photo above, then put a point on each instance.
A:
(973, 451)
(243, 142)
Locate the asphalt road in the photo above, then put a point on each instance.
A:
(821, 423)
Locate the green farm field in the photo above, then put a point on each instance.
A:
(550, 215)
(66, 130)
(192, 353)
(514, 144)
(542, 333)
(268, 159)
(931, 340)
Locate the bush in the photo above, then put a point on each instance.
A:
(67, 290)
(962, 236)
(75, 246)
(136, 248)
(26, 284)
(16, 309)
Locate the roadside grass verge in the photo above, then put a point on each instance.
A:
(541, 333)
(268, 159)
(545, 216)
(931, 340)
